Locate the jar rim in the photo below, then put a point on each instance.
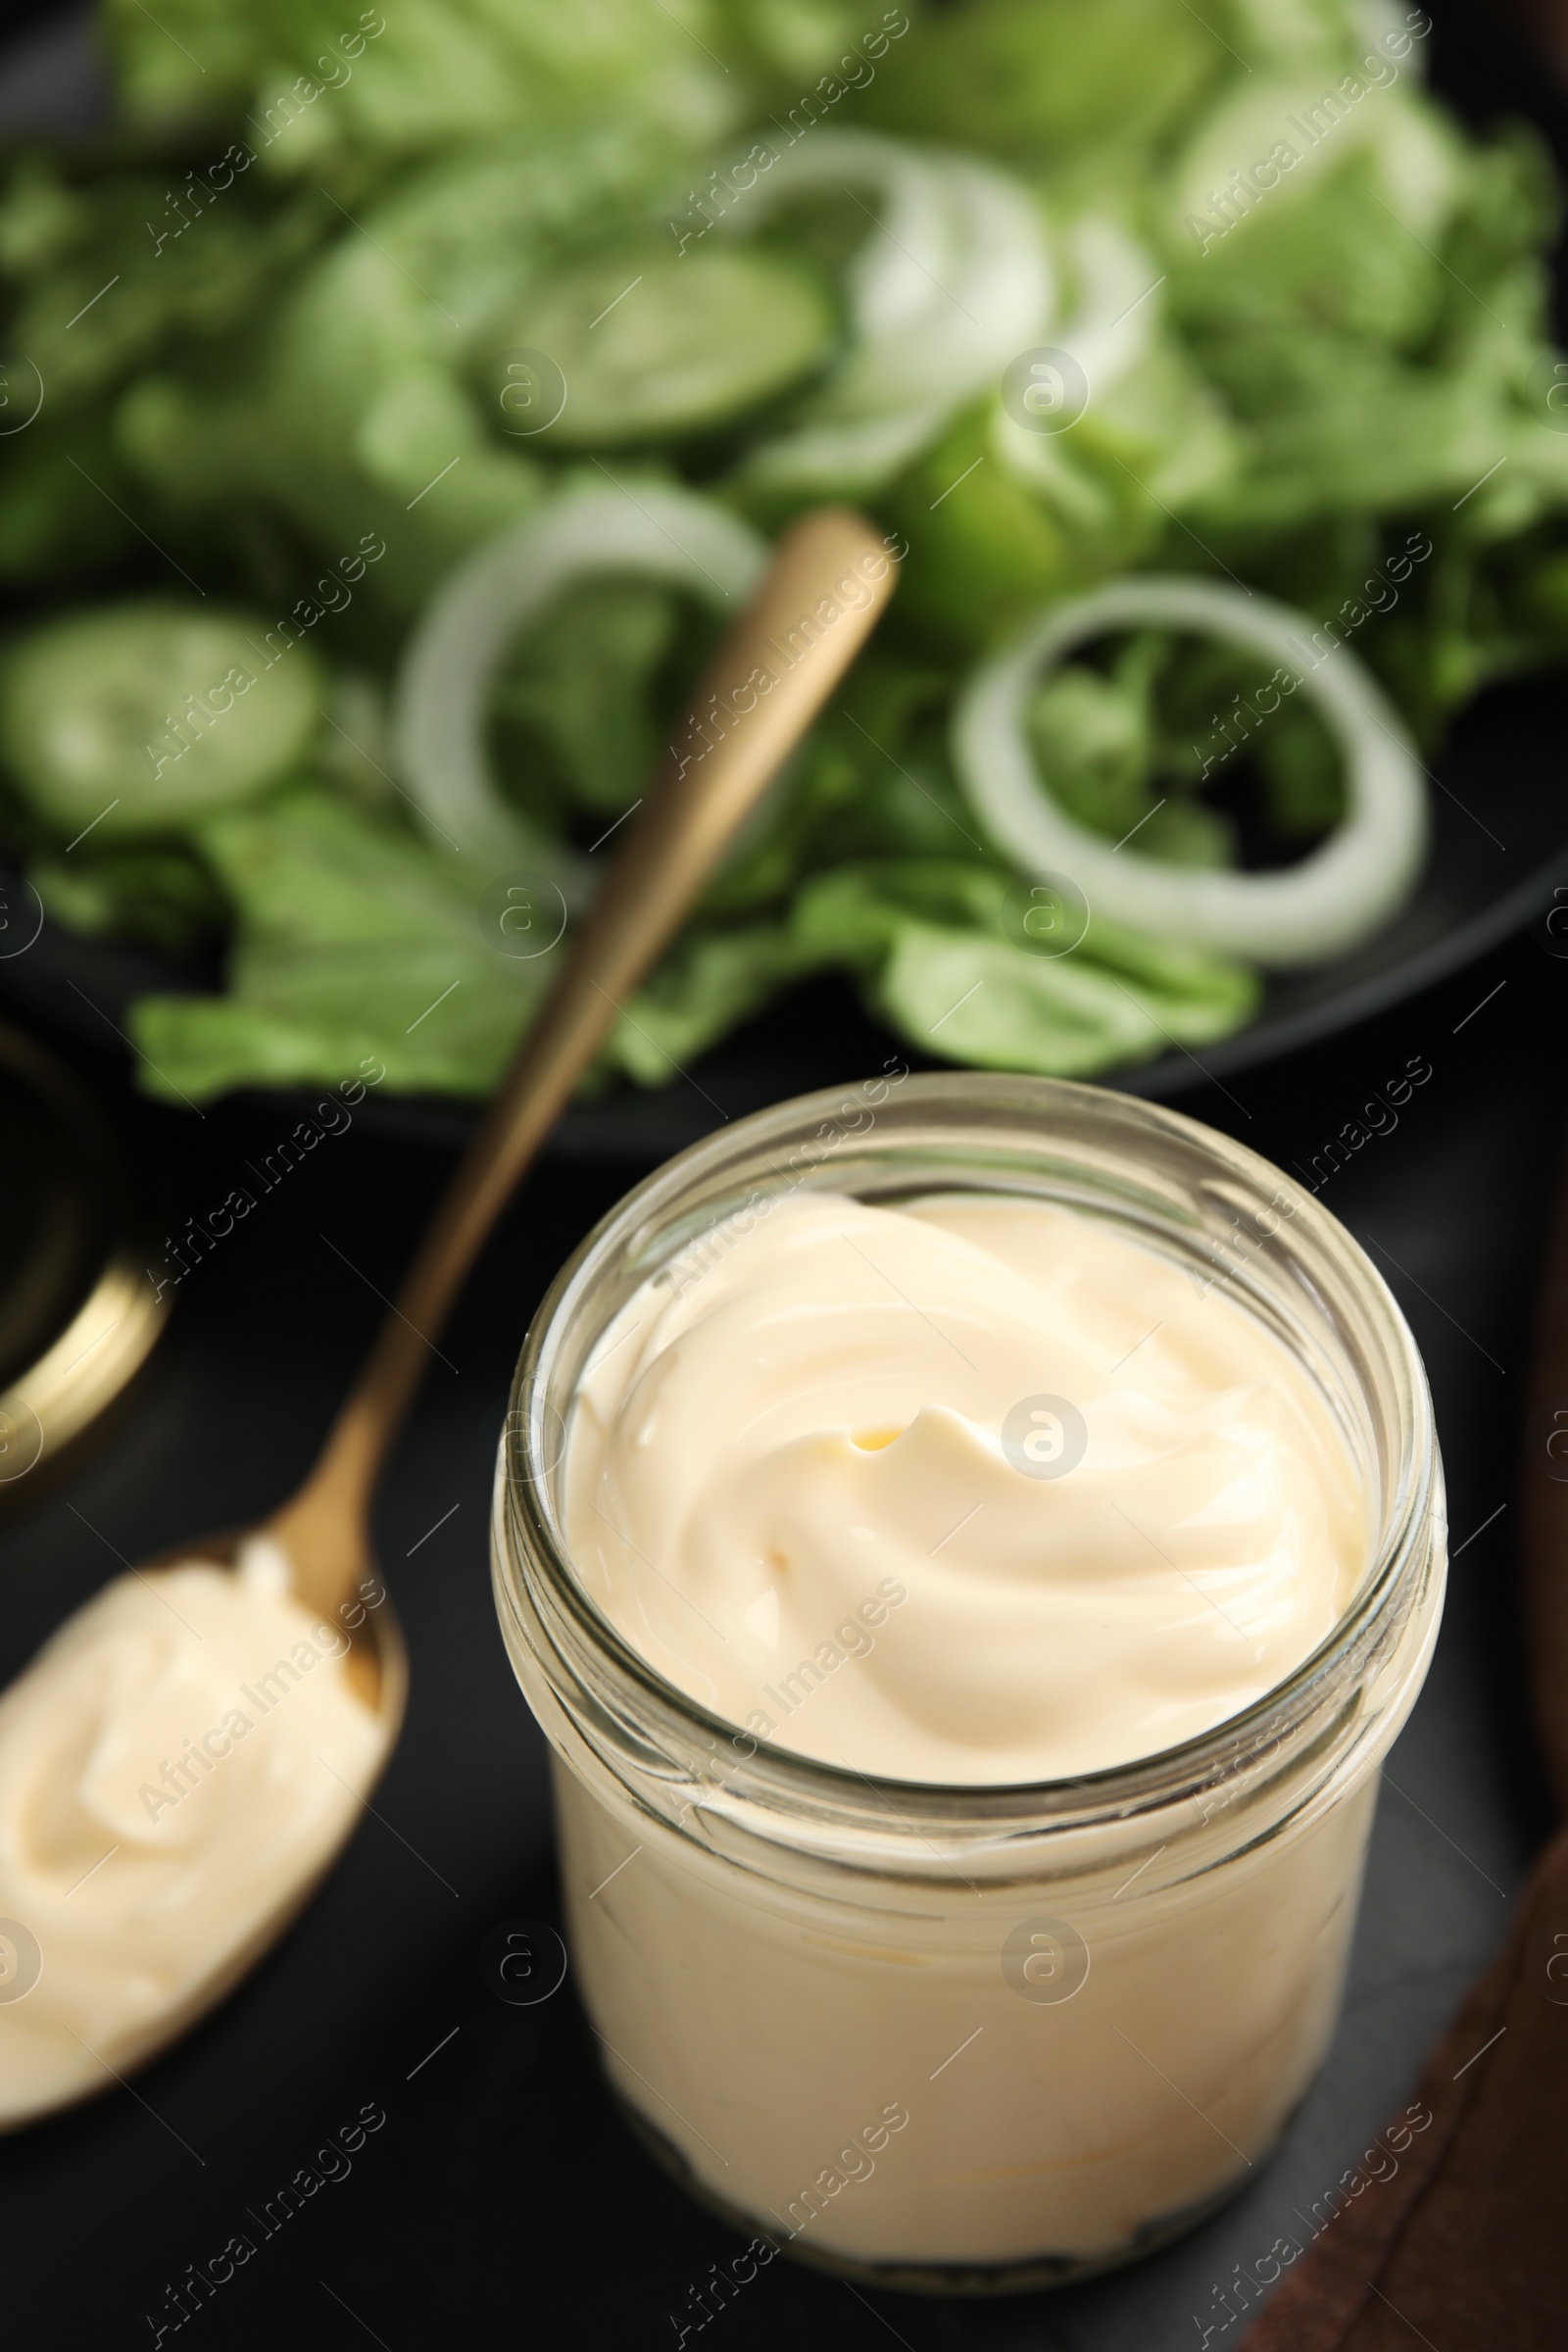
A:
(525, 1508)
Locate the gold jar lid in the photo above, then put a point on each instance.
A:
(78, 1313)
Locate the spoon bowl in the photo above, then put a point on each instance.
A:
(382, 1646)
(376, 1666)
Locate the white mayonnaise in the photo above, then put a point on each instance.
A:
(979, 1492)
(184, 1753)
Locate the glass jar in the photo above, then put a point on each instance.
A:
(968, 2038)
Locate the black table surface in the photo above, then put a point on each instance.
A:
(502, 2190)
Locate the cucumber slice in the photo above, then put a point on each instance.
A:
(655, 345)
(139, 716)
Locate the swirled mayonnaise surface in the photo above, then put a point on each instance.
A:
(976, 1489)
(181, 1758)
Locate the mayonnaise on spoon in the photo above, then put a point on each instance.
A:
(186, 1746)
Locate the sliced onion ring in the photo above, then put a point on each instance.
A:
(443, 687)
(956, 280)
(1306, 914)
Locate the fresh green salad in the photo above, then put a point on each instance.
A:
(398, 403)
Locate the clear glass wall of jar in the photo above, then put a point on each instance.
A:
(969, 2038)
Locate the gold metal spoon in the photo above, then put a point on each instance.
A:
(698, 799)
(829, 580)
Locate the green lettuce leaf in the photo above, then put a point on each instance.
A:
(936, 955)
(353, 938)
(326, 81)
(709, 984)
(157, 896)
(579, 699)
(107, 274)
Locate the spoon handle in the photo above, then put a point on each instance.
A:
(829, 581)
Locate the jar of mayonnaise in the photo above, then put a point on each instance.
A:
(999, 1947)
